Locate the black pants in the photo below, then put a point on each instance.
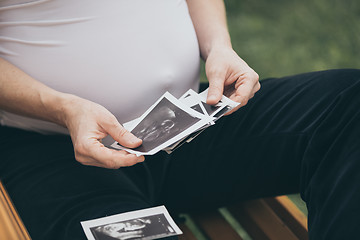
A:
(298, 134)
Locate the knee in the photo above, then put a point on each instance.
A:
(332, 83)
(344, 77)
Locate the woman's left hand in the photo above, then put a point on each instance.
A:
(228, 74)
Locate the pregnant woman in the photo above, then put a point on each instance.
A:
(72, 71)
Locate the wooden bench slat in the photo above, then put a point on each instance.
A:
(260, 221)
(289, 213)
(187, 233)
(11, 226)
(214, 225)
(248, 223)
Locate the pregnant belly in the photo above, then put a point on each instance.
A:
(121, 54)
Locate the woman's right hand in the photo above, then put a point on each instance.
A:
(88, 123)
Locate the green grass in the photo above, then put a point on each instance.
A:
(285, 37)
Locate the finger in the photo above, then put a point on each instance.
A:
(233, 110)
(96, 154)
(124, 160)
(246, 86)
(114, 159)
(243, 93)
(215, 92)
(256, 88)
(216, 86)
(121, 135)
(109, 164)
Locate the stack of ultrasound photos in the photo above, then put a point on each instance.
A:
(171, 122)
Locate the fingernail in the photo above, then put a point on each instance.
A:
(133, 138)
(141, 158)
(212, 97)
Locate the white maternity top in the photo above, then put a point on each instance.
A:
(122, 54)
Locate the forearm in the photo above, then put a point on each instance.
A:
(21, 94)
(209, 19)
(86, 121)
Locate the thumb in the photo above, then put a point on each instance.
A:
(123, 136)
(215, 92)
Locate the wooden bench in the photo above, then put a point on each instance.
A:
(271, 218)
(11, 226)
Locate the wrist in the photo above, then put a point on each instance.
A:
(58, 105)
(218, 44)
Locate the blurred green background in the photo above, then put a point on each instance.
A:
(285, 37)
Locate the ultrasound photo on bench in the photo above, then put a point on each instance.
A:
(150, 227)
(151, 223)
